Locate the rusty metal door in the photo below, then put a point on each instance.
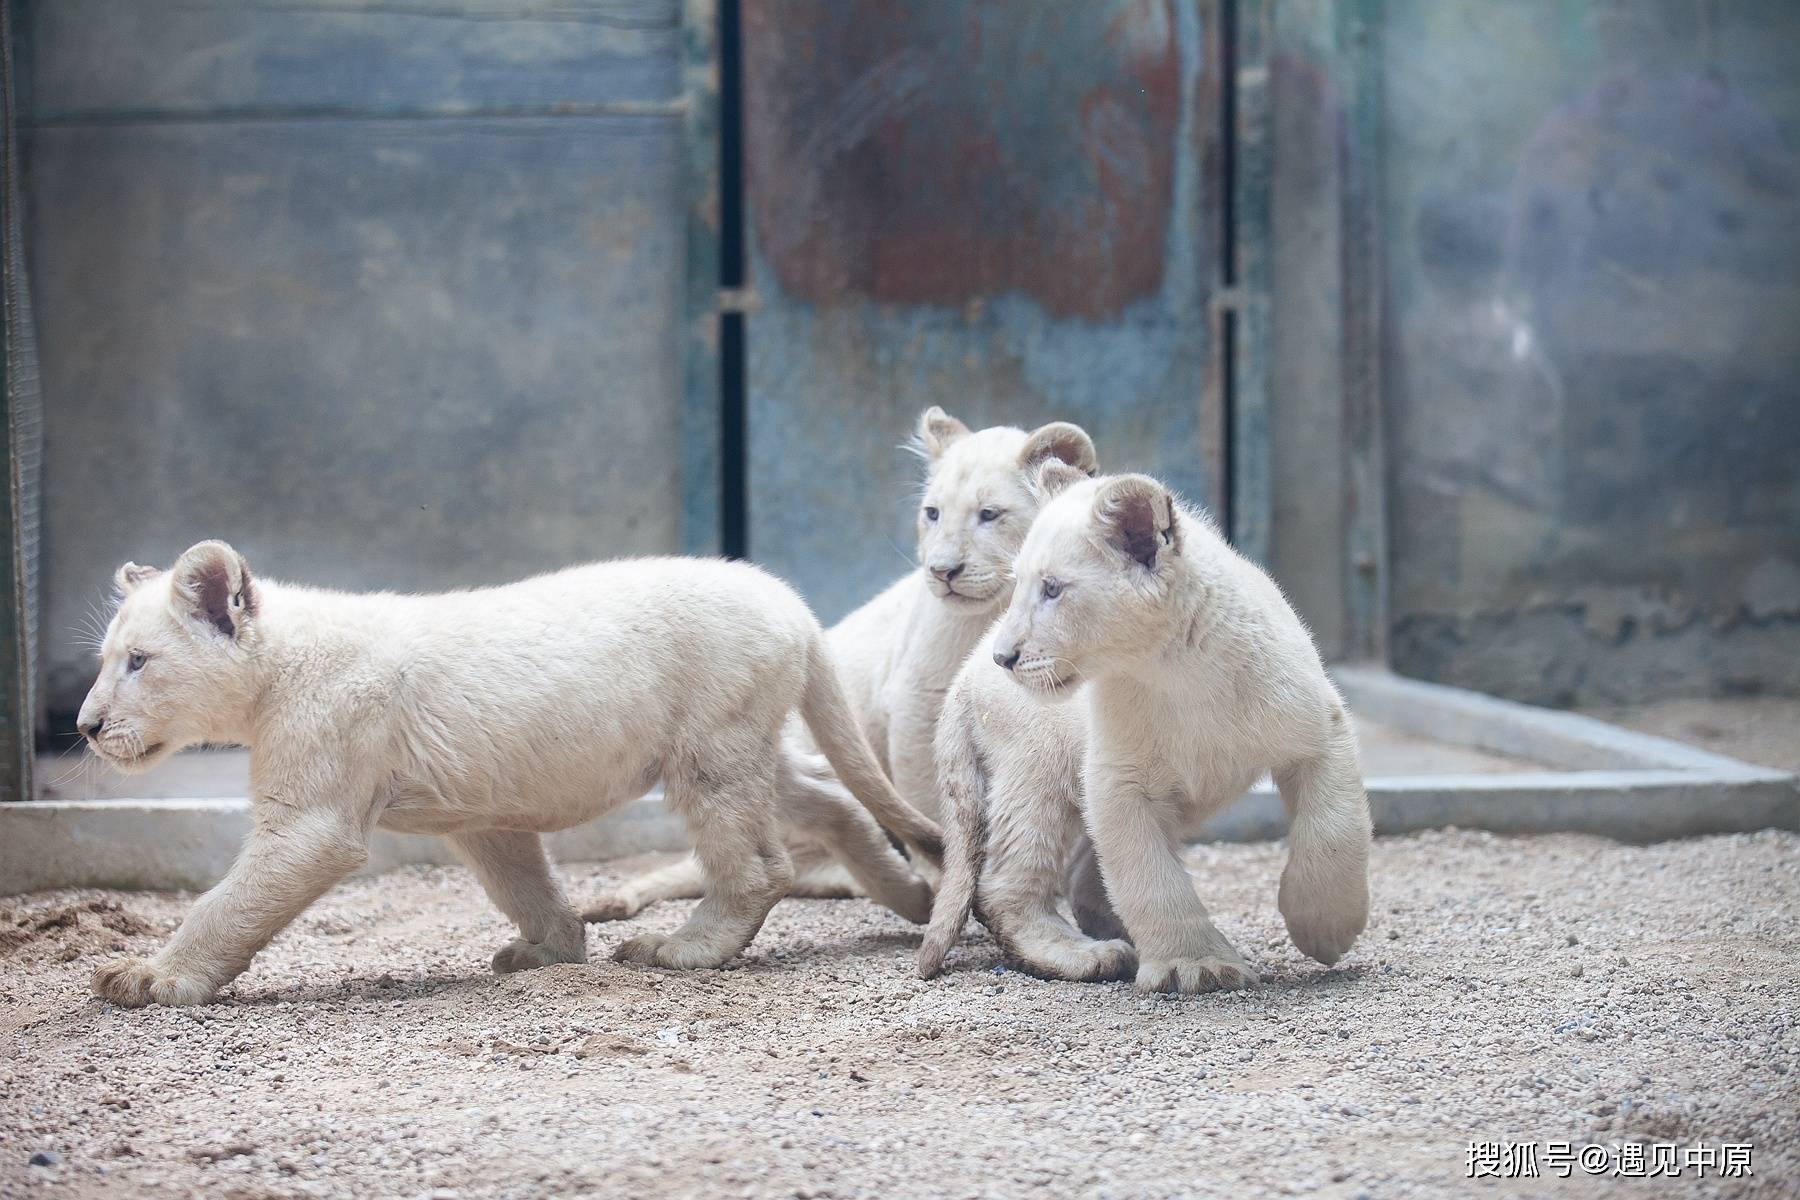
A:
(1012, 208)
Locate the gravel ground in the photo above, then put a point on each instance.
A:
(1561, 988)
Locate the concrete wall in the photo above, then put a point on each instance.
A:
(1589, 247)
(1592, 215)
(388, 295)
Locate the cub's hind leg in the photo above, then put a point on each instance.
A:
(814, 801)
(725, 791)
(683, 880)
(1088, 900)
(818, 876)
(516, 875)
(1033, 825)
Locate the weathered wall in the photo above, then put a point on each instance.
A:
(1593, 262)
(1308, 454)
(1009, 209)
(386, 294)
(1590, 254)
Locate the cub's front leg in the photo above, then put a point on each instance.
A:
(292, 856)
(1136, 839)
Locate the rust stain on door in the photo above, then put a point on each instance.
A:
(893, 158)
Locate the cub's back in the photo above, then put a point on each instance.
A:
(650, 605)
(657, 634)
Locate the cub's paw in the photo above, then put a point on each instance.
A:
(666, 950)
(1325, 937)
(911, 900)
(134, 982)
(521, 955)
(1324, 919)
(1190, 975)
(613, 904)
(1092, 961)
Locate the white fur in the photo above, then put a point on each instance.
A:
(896, 655)
(1190, 676)
(487, 716)
(1010, 773)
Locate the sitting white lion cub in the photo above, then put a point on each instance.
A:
(488, 716)
(897, 654)
(1199, 678)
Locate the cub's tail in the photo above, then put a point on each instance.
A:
(963, 787)
(826, 711)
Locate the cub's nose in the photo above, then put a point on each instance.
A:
(91, 729)
(1007, 658)
(946, 574)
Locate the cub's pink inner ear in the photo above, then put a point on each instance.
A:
(214, 581)
(938, 431)
(1140, 516)
(1064, 442)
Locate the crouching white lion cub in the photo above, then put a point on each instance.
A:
(1199, 677)
(897, 654)
(489, 716)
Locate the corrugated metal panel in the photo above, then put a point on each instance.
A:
(1001, 207)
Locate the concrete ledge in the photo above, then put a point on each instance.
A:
(1612, 782)
(1558, 739)
(1627, 806)
(171, 843)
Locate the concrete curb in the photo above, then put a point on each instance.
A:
(164, 844)
(1610, 782)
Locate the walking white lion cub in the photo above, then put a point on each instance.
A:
(1198, 678)
(898, 653)
(489, 716)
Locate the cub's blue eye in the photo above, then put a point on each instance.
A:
(989, 515)
(931, 514)
(137, 660)
(1052, 588)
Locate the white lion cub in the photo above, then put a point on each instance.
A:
(1199, 678)
(897, 654)
(488, 716)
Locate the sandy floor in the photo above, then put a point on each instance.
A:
(1758, 729)
(1554, 988)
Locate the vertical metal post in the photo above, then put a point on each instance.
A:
(1366, 589)
(21, 425)
(701, 433)
(1252, 496)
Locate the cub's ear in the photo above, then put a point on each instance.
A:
(1137, 515)
(130, 577)
(213, 586)
(938, 431)
(1055, 475)
(1062, 442)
